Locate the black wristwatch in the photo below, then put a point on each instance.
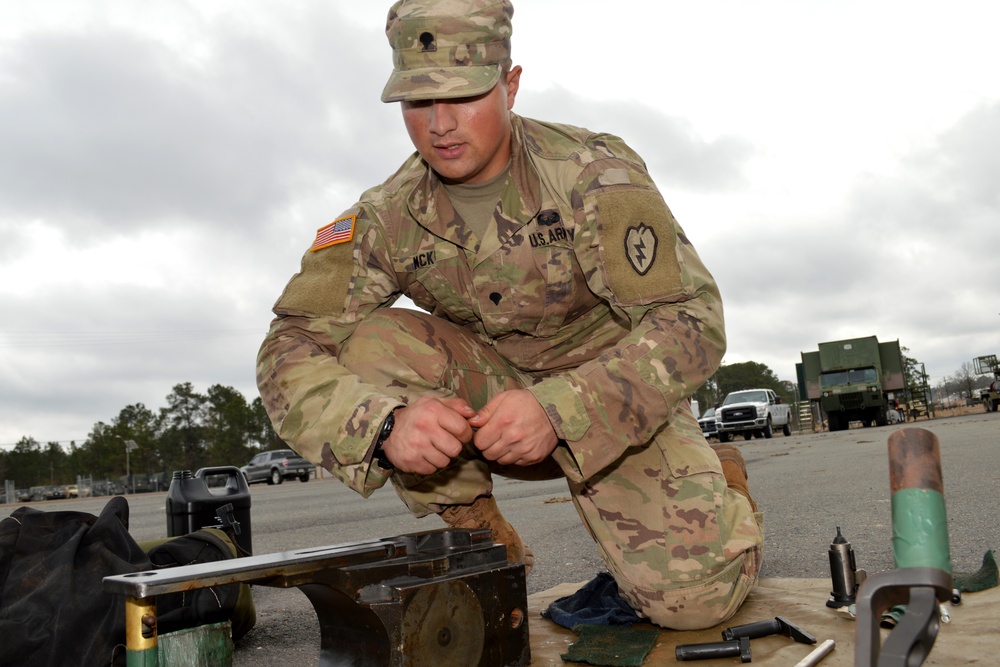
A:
(378, 456)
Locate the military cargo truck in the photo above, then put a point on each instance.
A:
(852, 380)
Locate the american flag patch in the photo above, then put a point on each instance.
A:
(338, 231)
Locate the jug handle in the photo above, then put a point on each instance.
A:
(232, 471)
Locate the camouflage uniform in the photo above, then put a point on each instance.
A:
(584, 290)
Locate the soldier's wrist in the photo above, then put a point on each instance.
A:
(378, 455)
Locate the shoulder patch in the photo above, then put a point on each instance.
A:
(639, 237)
(340, 230)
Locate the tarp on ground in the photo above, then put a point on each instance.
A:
(970, 637)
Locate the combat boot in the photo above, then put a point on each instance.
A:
(484, 513)
(735, 470)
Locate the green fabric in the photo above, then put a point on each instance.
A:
(988, 576)
(615, 645)
(892, 616)
(204, 645)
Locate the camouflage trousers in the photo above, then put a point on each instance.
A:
(684, 548)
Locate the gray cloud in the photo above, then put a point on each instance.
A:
(671, 147)
(911, 255)
(110, 128)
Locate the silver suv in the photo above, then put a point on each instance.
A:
(275, 466)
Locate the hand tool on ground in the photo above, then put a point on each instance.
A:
(777, 626)
(731, 649)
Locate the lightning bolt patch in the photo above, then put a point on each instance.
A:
(640, 247)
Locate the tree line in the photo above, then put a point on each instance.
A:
(193, 431)
(966, 383)
(735, 377)
(219, 428)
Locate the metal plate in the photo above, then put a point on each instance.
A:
(443, 627)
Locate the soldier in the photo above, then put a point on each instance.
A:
(568, 321)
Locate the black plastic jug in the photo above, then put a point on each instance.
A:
(192, 504)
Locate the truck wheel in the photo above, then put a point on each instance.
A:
(786, 430)
(833, 421)
(748, 435)
(304, 477)
(275, 477)
(723, 437)
(881, 418)
(996, 405)
(768, 430)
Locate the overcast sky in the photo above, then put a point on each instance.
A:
(164, 165)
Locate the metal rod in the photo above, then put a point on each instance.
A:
(140, 632)
(814, 658)
(919, 521)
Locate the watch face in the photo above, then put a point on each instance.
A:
(378, 456)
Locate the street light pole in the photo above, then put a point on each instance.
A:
(129, 446)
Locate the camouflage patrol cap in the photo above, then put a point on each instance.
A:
(443, 49)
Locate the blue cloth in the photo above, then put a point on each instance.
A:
(598, 602)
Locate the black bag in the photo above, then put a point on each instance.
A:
(53, 609)
(188, 609)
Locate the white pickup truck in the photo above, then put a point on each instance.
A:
(752, 412)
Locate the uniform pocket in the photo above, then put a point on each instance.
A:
(556, 264)
(440, 283)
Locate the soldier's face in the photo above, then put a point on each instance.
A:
(465, 140)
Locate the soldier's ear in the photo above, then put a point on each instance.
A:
(513, 82)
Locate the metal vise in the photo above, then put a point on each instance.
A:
(443, 597)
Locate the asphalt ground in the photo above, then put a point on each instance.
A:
(806, 485)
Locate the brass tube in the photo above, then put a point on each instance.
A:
(140, 624)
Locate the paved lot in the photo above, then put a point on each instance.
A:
(806, 484)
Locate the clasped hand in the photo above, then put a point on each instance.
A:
(512, 429)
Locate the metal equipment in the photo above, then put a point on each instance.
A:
(777, 626)
(737, 648)
(844, 572)
(922, 578)
(443, 598)
(816, 657)
(987, 365)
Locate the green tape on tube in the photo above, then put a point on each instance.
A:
(920, 529)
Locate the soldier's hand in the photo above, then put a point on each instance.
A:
(514, 429)
(428, 434)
